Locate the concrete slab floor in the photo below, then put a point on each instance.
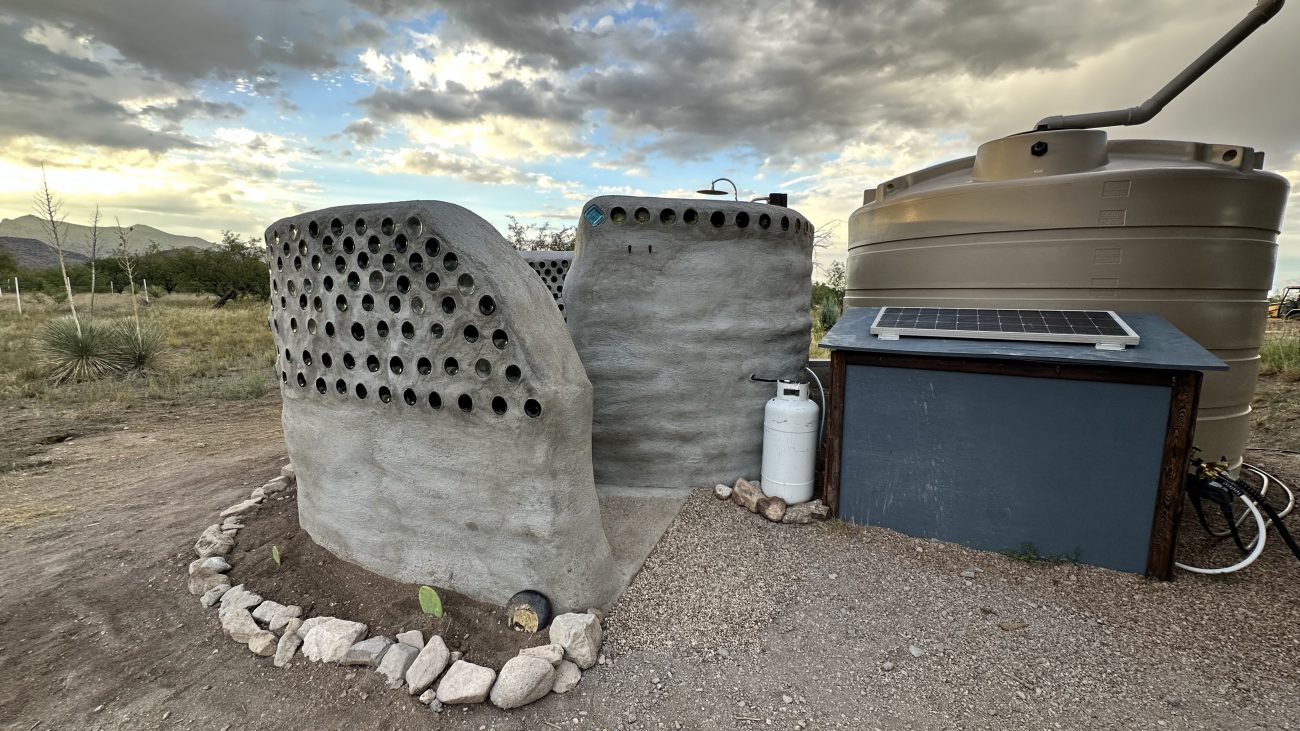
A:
(635, 518)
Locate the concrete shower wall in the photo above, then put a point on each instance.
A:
(552, 267)
(672, 304)
(435, 409)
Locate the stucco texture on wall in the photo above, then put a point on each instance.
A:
(672, 305)
(435, 409)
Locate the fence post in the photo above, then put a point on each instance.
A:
(19, 294)
(146, 291)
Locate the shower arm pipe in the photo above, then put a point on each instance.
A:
(1259, 15)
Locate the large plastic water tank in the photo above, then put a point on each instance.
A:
(1069, 219)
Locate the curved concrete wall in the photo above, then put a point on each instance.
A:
(672, 305)
(434, 407)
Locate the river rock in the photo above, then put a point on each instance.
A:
(772, 508)
(414, 638)
(806, 512)
(722, 492)
(522, 680)
(551, 653)
(279, 484)
(431, 661)
(202, 583)
(289, 472)
(328, 639)
(396, 662)
(289, 643)
(240, 508)
(210, 565)
(213, 542)
(240, 598)
(465, 683)
(239, 624)
(214, 595)
(367, 652)
(746, 495)
(283, 617)
(567, 675)
(580, 635)
(263, 643)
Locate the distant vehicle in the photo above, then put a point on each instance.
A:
(1288, 307)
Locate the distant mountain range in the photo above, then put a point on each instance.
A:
(28, 228)
(33, 254)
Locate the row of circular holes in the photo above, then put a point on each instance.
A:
(358, 331)
(387, 226)
(532, 407)
(465, 283)
(389, 262)
(717, 218)
(487, 305)
(423, 366)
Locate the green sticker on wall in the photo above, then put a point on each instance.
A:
(594, 216)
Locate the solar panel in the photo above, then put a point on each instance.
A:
(1102, 328)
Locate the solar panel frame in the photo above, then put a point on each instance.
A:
(1102, 328)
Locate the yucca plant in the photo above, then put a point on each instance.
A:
(73, 351)
(139, 345)
(828, 313)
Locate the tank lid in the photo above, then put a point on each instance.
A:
(1036, 154)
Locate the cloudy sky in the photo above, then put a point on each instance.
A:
(201, 116)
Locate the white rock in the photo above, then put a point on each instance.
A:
(279, 484)
(722, 492)
(522, 680)
(202, 583)
(211, 565)
(329, 638)
(435, 705)
(266, 610)
(465, 682)
(430, 663)
(283, 617)
(239, 624)
(213, 542)
(240, 508)
(396, 662)
(214, 596)
(456, 655)
(580, 635)
(367, 652)
(240, 598)
(551, 653)
(428, 696)
(288, 471)
(258, 494)
(414, 638)
(567, 675)
(263, 643)
(916, 650)
(289, 643)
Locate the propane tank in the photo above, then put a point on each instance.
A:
(789, 443)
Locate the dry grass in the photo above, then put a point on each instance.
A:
(1280, 354)
(211, 354)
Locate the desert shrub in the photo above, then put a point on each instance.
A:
(68, 355)
(828, 313)
(140, 348)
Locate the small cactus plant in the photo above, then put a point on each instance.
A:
(430, 602)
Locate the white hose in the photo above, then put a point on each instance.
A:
(1248, 560)
(821, 428)
(1266, 480)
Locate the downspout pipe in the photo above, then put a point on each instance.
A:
(1261, 14)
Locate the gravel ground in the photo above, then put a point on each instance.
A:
(749, 624)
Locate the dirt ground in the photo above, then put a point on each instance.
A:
(733, 624)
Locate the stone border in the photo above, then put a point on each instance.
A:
(426, 669)
(749, 495)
